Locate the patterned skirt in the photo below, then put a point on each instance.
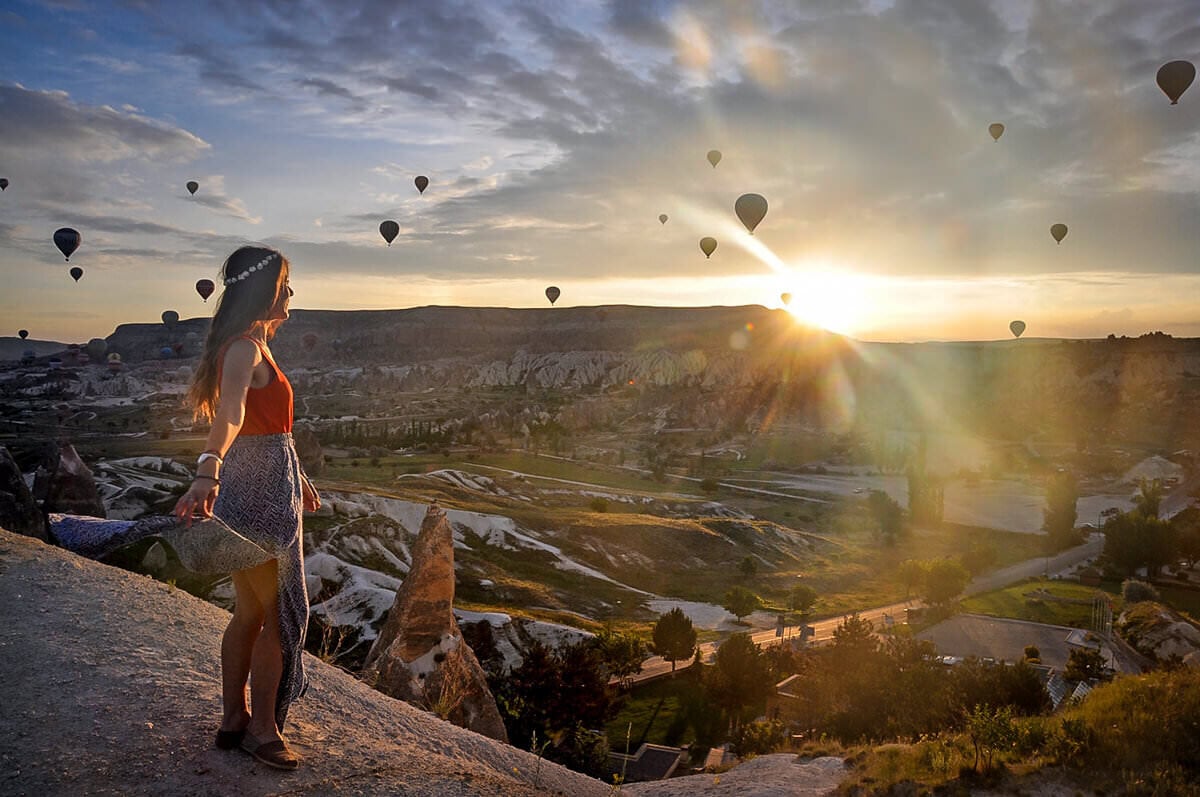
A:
(258, 516)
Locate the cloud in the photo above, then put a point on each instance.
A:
(34, 123)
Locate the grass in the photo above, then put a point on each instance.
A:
(1016, 602)
(654, 710)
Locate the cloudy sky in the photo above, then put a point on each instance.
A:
(555, 133)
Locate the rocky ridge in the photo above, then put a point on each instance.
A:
(110, 683)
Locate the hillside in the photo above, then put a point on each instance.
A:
(110, 685)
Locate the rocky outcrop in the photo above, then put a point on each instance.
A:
(63, 483)
(110, 684)
(18, 510)
(1157, 631)
(308, 448)
(420, 656)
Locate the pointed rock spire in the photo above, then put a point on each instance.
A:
(420, 656)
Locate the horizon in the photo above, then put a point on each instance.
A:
(553, 139)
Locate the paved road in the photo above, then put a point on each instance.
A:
(657, 667)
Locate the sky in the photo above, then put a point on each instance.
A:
(554, 134)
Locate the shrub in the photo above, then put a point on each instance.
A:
(598, 504)
(757, 738)
(1134, 591)
(1032, 653)
(709, 486)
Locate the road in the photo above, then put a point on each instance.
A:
(656, 667)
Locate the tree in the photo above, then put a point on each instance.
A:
(1059, 516)
(739, 678)
(740, 602)
(674, 637)
(801, 600)
(621, 654)
(748, 568)
(991, 730)
(1085, 664)
(1186, 526)
(911, 573)
(944, 581)
(1133, 540)
(854, 639)
(926, 498)
(1149, 497)
(887, 514)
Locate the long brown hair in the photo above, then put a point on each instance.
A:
(243, 308)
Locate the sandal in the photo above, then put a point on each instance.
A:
(273, 753)
(230, 740)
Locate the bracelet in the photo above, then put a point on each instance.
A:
(212, 479)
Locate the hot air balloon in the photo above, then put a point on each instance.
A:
(422, 182)
(165, 352)
(750, 208)
(662, 217)
(114, 358)
(1059, 231)
(552, 293)
(54, 363)
(786, 298)
(22, 333)
(714, 157)
(708, 246)
(1174, 79)
(115, 366)
(310, 341)
(67, 240)
(193, 187)
(1017, 327)
(996, 129)
(170, 318)
(76, 273)
(184, 373)
(84, 359)
(205, 288)
(96, 348)
(389, 230)
(3, 183)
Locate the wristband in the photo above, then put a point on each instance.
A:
(212, 479)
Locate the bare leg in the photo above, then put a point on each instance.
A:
(236, 647)
(266, 660)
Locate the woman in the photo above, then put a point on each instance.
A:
(250, 478)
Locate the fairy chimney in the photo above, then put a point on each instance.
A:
(420, 656)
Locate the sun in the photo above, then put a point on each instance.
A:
(830, 298)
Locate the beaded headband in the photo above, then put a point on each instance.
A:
(256, 267)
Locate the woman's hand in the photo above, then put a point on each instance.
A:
(312, 500)
(199, 499)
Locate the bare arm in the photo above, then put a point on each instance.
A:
(238, 369)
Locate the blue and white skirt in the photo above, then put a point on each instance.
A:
(258, 516)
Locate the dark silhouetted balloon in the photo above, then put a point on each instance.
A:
(310, 341)
(662, 217)
(1017, 327)
(96, 348)
(1174, 79)
(708, 246)
(1059, 231)
(750, 208)
(205, 288)
(714, 157)
(22, 333)
(786, 298)
(193, 187)
(170, 318)
(3, 183)
(422, 183)
(67, 241)
(389, 230)
(76, 273)
(996, 129)
(552, 294)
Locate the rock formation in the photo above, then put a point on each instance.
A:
(64, 484)
(420, 656)
(18, 510)
(308, 448)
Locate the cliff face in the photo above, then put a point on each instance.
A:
(110, 685)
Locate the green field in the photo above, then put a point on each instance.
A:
(1019, 602)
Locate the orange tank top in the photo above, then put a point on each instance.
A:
(268, 408)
